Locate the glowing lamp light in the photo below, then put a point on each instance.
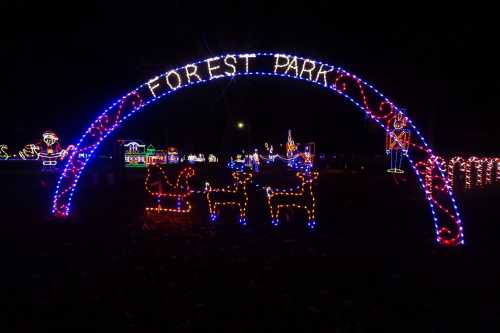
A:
(240, 124)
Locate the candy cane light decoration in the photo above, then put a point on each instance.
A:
(477, 171)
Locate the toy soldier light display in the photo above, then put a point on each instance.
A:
(50, 149)
(397, 142)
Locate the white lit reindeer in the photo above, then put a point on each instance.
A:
(234, 195)
(302, 199)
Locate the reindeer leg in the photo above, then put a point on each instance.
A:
(213, 214)
(275, 213)
(243, 213)
(311, 222)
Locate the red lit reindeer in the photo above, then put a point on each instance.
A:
(302, 199)
(175, 200)
(234, 195)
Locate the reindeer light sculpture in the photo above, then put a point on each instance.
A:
(234, 195)
(302, 199)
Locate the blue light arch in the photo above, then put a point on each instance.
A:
(378, 108)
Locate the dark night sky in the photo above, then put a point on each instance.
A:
(63, 65)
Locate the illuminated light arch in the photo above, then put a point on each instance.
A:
(380, 109)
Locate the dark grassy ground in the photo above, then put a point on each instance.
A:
(371, 265)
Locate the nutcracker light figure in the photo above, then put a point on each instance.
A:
(397, 142)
